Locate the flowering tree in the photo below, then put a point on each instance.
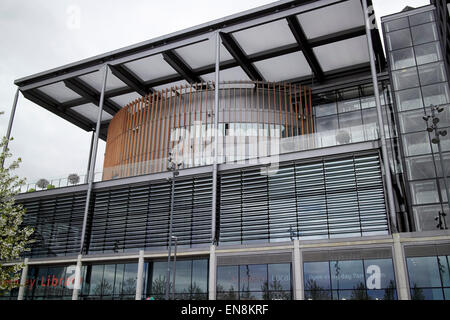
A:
(14, 238)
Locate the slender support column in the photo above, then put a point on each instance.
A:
(89, 160)
(174, 277)
(140, 276)
(93, 157)
(384, 154)
(400, 269)
(172, 196)
(23, 280)
(216, 140)
(212, 273)
(77, 283)
(297, 266)
(10, 123)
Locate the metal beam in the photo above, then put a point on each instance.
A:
(302, 41)
(41, 99)
(86, 91)
(93, 158)
(235, 50)
(130, 79)
(181, 67)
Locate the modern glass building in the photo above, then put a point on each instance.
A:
(305, 169)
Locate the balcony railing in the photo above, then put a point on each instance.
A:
(251, 149)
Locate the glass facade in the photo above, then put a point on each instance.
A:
(191, 280)
(109, 281)
(419, 80)
(429, 277)
(254, 282)
(350, 280)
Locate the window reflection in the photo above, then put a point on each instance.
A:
(429, 277)
(191, 280)
(350, 280)
(254, 282)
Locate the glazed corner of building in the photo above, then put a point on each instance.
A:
(410, 243)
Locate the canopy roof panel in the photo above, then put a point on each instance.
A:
(297, 41)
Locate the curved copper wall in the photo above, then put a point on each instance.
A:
(180, 120)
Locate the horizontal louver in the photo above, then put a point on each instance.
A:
(137, 217)
(57, 222)
(327, 198)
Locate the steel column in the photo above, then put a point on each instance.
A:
(297, 268)
(93, 157)
(89, 160)
(23, 280)
(172, 196)
(400, 269)
(10, 123)
(212, 273)
(140, 276)
(216, 140)
(384, 154)
(77, 283)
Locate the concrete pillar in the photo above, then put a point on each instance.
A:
(400, 269)
(297, 267)
(23, 280)
(77, 283)
(140, 276)
(212, 273)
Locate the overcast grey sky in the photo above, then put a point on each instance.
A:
(37, 35)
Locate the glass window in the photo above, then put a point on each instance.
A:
(200, 275)
(129, 279)
(350, 119)
(416, 143)
(421, 18)
(316, 275)
(399, 39)
(347, 274)
(369, 102)
(228, 279)
(403, 58)
(424, 33)
(279, 277)
(431, 73)
(444, 268)
(326, 123)
(183, 276)
(420, 167)
(423, 272)
(95, 287)
(108, 280)
(379, 274)
(325, 109)
(396, 24)
(406, 78)
(412, 121)
(409, 99)
(424, 216)
(436, 94)
(158, 283)
(427, 53)
(369, 116)
(118, 284)
(424, 192)
(349, 105)
(252, 277)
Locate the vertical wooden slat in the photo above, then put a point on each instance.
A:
(154, 129)
(280, 109)
(189, 126)
(200, 142)
(176, 142)
(140, 142)
(163, 133)
(311, 111)
(291, 110)
(150, 132)
(306, 110)
(301, 109)
(158, 133)
(149, 99)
